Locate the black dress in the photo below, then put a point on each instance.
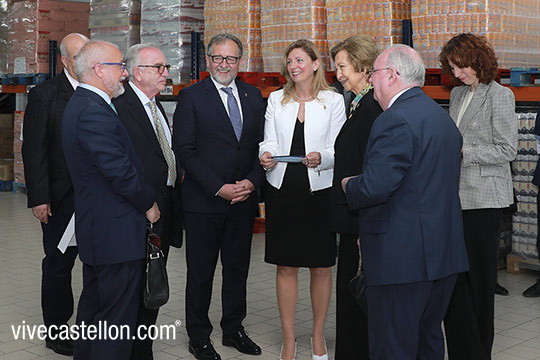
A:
(297, 220)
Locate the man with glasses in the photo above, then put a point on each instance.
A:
(218, 124)
(112, 204)
(150, 133)
(49, 189)
(410, 225)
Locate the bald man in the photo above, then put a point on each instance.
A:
(49, 189)
(112, 204)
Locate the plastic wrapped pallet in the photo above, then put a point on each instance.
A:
(511, 26)
(116, 21)
(241, 18)
(169, 23)
(32, 23)
(381, 20)
(18, 167)
(284, 21)
(3, 36)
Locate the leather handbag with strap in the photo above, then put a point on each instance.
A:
(156, 282)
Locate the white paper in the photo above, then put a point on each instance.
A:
(68, 239)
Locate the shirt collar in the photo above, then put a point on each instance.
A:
(74, 83)
(232, 85)
(100, 92)
(142, 96)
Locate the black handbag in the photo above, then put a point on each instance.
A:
(357, 286)
(156, 283)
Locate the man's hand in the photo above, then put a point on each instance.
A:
(42, 212)
(226, 192)
(153, 214)
(344, 182)
(242, 190)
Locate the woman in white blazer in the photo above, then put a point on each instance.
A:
(484, 112)
(302, 120)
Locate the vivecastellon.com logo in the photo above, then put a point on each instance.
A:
(100, 331)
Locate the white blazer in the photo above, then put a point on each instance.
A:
(323, 120)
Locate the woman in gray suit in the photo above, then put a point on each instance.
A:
(484, 112)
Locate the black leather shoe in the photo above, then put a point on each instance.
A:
(533, 291)
(499, 290)
(203, 350)
(62, 347)
(241, 342)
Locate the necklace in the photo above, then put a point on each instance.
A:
(299, 98)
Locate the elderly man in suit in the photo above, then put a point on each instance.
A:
(410, 226)
(49, 189)
(218, 124)
(112, 202)
(149, 130)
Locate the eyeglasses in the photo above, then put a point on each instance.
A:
(373, 71)
(122, 64)
(160, 67)
(218, 59)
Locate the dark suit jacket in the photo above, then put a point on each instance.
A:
(536, 177)
(46, 174)
(349, 148)
(207, 148)
(133, 114)
(410, 222)
(111, 197)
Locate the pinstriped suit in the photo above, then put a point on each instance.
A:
(489, 130)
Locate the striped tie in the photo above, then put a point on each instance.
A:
(164, 144)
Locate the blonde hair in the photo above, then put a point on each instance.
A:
(361, 50)
(319, 80)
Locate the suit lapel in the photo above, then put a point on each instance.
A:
(479, 97)
(65, 89)
(215, 99)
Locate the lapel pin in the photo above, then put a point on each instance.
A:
(324, 107)
(245, 94)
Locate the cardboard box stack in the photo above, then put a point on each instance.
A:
(511, 26)
(18, 168)
(32, 23)
(241, 18)
(382, 20)
(3, 36)
(6, 147)
(116, 21)
(169, 24)
(284, 21)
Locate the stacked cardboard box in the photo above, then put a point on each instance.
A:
(284, 21)
(6, 136)
(381, 20)
(18, 168)
(116, 21)
(169, 23)
(32, 23)
(241, 18)
(3, 36)
(511, 26)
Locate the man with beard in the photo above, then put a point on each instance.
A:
(111, 203)
(218, 124)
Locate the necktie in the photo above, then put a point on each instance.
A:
(164, 144)
(234, 112)
(113, 107)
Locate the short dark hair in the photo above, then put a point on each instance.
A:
(220, 38)
(470, 50)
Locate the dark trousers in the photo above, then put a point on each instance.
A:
(405, 319)
(111, 294)
(207, 237)
(142, 349)
(56, 291)
(469, 320)
(538, 232)
(351, 322)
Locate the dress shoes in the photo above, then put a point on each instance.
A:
(499, 290)
(62, 347)
(203, 350)
(533, 291)
(241, 342)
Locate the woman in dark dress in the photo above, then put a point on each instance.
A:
(302, 120)
(354, 57)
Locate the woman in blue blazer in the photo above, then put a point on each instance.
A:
(302, 120)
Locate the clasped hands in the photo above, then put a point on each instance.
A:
(311, 160)
(236, 192)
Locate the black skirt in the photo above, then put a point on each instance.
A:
(297, 220)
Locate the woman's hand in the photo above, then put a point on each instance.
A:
(312, 160)
(267, 162)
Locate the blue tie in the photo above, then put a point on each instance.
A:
(113, 107)
(234, 112)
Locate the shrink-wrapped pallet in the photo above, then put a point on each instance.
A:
(169, 23)
(241, 18)
(3, 36)
(284, 21)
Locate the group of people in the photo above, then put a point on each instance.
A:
(414, 193)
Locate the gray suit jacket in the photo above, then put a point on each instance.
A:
(489, 130)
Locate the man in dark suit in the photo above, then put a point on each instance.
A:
(218, 124)
(49, 189)
(410, 226)
(111, 201)
(149, 130)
